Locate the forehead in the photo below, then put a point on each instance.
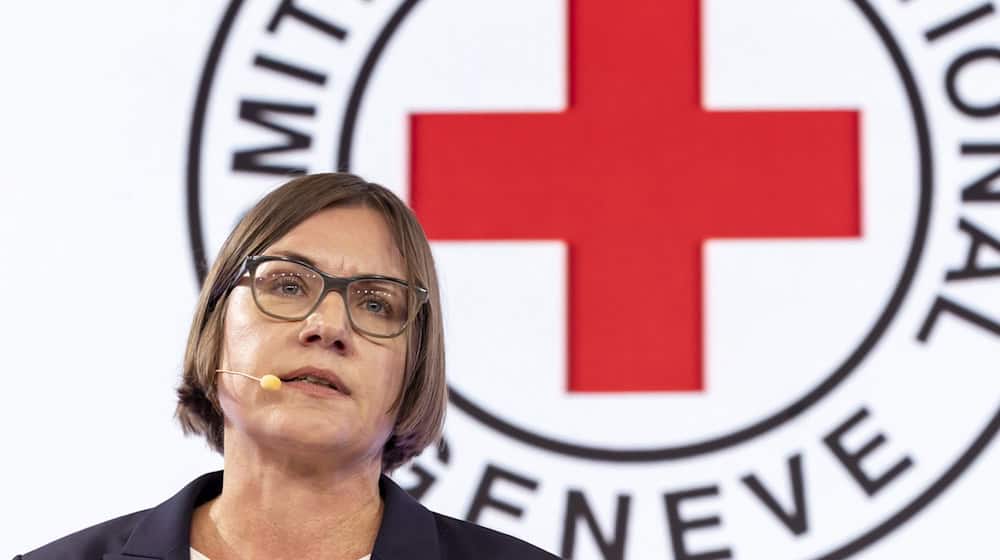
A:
(345, 241)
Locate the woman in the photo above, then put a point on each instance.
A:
(311, 396)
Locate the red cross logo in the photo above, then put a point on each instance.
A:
(634, 176)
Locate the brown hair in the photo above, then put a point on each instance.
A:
(420, 406)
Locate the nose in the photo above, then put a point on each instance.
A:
(328, 325)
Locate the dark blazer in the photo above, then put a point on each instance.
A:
(409, 531)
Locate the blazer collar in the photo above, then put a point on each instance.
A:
(165, 531)
(408, 531)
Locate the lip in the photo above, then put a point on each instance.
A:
(321, 373)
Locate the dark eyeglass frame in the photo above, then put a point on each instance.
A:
(333, 284)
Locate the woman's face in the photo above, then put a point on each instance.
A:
(302, 417)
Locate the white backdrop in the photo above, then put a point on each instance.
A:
(96, 108)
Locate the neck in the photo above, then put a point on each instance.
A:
(283, 504)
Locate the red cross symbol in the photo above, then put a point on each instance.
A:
(635, 176)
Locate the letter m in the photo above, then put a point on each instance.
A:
(262, 113)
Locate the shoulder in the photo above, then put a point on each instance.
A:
(461, 539)
(92, 542)
(149, 533)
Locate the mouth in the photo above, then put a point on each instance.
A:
(316, 376)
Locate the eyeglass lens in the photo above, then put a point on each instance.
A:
(290, 291)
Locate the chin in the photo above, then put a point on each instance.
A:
(316, 435)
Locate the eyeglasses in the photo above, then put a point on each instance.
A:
(287, 289)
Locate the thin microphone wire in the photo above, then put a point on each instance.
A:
(247, 375)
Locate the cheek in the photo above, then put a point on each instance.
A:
(391, 362)
(240, 342)
(239, 351)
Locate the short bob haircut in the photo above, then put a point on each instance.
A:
(420, 406)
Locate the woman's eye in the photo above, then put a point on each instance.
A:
(287, 286)
(290, 289)
(375, 306)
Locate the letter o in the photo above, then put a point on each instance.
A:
(952, 77)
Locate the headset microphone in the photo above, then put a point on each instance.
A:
(268, 382)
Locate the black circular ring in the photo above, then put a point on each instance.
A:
(981, 440)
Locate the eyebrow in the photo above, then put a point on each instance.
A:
(296, 256)
(312, 263)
